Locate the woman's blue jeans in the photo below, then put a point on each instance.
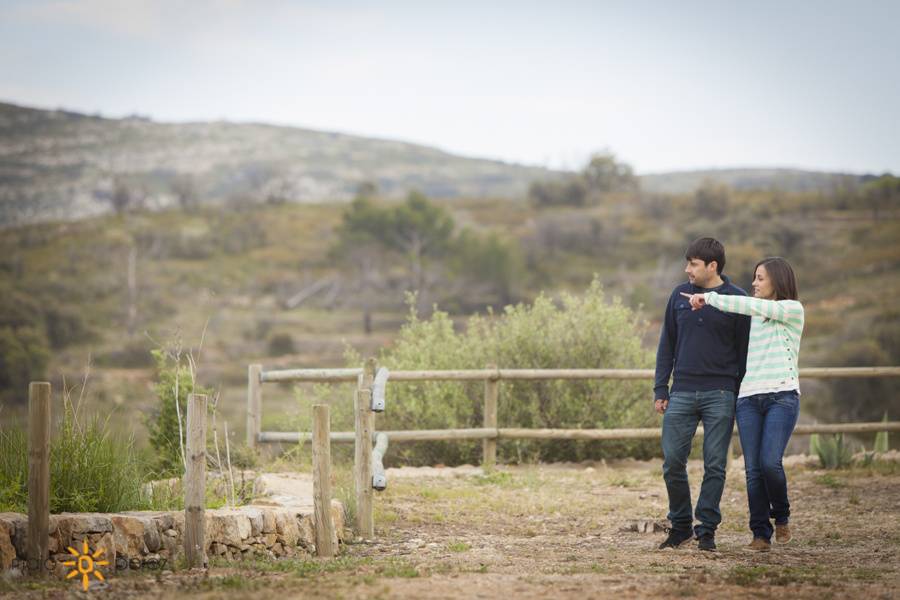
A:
(765, 423)
(686, 409)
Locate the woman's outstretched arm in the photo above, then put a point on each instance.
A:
(776, 310)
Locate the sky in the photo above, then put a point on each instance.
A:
(665, 85)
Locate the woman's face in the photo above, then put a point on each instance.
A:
(762, 285)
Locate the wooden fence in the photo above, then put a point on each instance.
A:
(490, 432)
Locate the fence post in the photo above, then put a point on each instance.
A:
(37, 550)
(491, 391)
(254, 405)
(365, 521)
(195, 483)
(321, 459)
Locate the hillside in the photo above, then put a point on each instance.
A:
(58, 165)
(227, 274)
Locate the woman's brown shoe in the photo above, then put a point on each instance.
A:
(783, 533)
(759, 545)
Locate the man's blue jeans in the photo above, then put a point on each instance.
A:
(684, 412)
(765, 423)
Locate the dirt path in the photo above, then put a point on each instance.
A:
(558, 531)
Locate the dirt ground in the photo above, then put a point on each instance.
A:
(565, 531)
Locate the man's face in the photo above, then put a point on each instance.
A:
(699, 273)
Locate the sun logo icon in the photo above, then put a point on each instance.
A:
(85, 564)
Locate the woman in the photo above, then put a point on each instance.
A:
(769, 399)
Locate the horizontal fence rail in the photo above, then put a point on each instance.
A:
(490, 433)
(350, 375)
(518, 433)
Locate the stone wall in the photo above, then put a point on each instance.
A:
(152, 539)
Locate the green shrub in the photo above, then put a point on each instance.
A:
(166, 437)
(280, 344)
(585, 331)
(65, 326)
(133, 355)
(23, 359)
(832, 452)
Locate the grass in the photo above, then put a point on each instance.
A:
(458, 547)
(92, 468)
(829, 480)
(754, 576)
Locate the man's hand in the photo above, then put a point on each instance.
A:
(661, 405)
(697, 300)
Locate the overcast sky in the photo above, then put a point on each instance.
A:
(666, 85)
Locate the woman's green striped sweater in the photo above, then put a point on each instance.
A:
(775, 330)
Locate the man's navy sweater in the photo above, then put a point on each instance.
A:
(707, 348)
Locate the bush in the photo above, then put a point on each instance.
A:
(167, 437)
(23, 359)
(832, 452)
(91, 469)
(64, 325)
(580, 332)
(135, 354)
(280, 344)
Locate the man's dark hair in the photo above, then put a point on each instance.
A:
(782, 276)
(707, 249)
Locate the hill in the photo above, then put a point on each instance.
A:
(60, 165)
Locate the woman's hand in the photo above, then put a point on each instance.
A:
(697, 300)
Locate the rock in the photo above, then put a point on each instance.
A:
(269, 539)
(286, 526)
(643, 526)
(171, 533)
(128, 534)
(85, 522)
(227, 526)
(107, 544)
(306, 531)
(255, 515)
(337, 517)
(164, 521)
(151, 536)
(268, 521)
(7, 549)
(278, 549)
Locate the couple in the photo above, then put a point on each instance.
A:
(717, 342)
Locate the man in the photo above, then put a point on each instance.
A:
(708, 350)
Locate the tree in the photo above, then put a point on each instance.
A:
(185, 191)
(419, 230)
(488, 262)
(882, 193)
(122, 197)
(712, 200)
(604, 173)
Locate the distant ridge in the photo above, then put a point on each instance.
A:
(787, 180)
(63, 165)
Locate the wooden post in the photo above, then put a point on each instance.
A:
(365, 521)
(321, 459)
(489, 445)
(254, 404)
(195, 483)
(37, 547)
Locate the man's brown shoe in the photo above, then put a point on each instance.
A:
(783, 533)
(759, 545)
